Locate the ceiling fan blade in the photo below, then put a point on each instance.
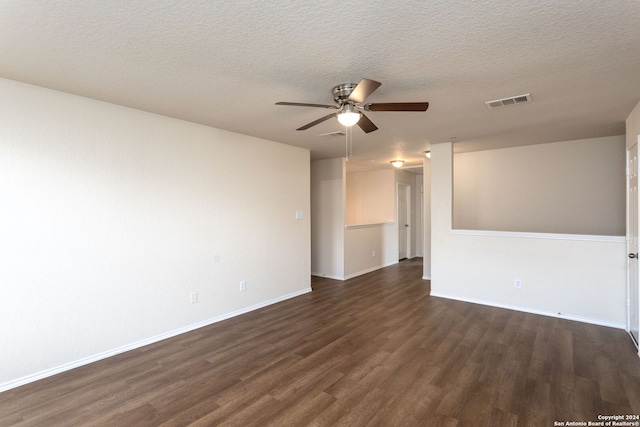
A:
(363, 89)
(366, 125)
(397, 106)
(320, 120)
(302, 104)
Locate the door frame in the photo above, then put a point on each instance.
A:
(633, 264)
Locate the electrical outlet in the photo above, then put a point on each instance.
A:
(373, 254)
(194, 297)
(243, 286)
(517, 283)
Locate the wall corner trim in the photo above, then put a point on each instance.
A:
(547, 236)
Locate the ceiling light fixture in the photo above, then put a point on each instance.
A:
(427, 154)
(397, 163)
(348, 117)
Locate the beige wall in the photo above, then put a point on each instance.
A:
(354, 229)
(571, 187)
(328, 216)
(111, 217)
(370, 197)
(368, 248)
(568, 276)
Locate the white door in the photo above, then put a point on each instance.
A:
(632, 242)
(403, 220)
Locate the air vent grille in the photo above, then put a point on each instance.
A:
(336, 133)
(505, 102)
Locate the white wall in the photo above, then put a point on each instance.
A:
(575, 277)
(569, 187)
(328, 213)
(111, 217)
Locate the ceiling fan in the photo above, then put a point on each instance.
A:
(349, 100)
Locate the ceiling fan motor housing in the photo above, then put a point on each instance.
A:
(341, 92)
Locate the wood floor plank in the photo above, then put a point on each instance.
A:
(350, 400)
(376, 350)
(301, 410)
(410, 406)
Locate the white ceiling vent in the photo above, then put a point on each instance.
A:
(336, 133)
(505, 102)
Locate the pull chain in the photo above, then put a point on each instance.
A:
(348, 145)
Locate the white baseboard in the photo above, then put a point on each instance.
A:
(352, 275)
(531, 310)
(633, 339)
(327, 276)
(426, 277)
(368, 270)
(85, 361)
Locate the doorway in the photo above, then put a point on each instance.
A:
(404, 221)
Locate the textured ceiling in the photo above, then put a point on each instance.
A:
(225, 64)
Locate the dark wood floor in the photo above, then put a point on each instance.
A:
(375, 350)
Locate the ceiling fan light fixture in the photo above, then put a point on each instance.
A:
(397, 163)
(348, 117)
(349, 102)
